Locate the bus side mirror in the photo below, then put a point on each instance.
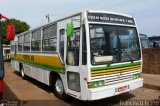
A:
(70, 29)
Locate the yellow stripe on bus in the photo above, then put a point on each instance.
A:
(114, 72)
(48, 60)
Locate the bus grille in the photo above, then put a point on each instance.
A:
(117, 75)
(114, 71)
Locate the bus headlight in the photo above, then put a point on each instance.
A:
(135, 76)
(73, 81)
(96, 84)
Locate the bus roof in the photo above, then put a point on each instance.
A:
(75, 14)
(108, 12)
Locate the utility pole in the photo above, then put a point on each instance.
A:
(1, 51)
(48, 18)
(10, 34)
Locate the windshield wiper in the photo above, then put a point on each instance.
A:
(127, 55)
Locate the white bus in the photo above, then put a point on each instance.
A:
(6, 52)
(89, 55)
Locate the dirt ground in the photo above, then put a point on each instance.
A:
(32, 93)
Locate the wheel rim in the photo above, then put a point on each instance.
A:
(59, 86)
(22, 73)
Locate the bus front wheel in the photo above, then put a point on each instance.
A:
(59, 88)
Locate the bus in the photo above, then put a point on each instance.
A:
(6, 52)
(89, 55)
(144, 41)
(154, 41)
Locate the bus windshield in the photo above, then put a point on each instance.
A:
(113, 44)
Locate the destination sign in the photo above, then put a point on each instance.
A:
(110, 18)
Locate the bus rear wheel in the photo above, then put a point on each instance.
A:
(58, 88)
(22, 73)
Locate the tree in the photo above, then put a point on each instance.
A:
(19, 25)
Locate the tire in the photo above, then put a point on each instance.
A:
(58, 88)
(22, 73)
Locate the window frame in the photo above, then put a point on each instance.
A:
(52, 47)
(36, 41)
(20, 43)
(119, 43)
(26, 42)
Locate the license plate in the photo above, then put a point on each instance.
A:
(123, 88)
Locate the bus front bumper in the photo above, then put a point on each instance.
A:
(111, 90)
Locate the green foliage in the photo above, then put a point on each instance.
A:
(19, 25)
(70, 29)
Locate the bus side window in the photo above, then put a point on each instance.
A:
(36, 40)
(20, 43)
(49, 38)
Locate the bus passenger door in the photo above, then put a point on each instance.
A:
(72, 63)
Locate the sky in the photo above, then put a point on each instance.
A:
(146, 12)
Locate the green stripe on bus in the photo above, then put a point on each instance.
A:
(115, 66)
(52, 68)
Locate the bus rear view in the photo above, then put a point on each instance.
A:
(114, 54)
